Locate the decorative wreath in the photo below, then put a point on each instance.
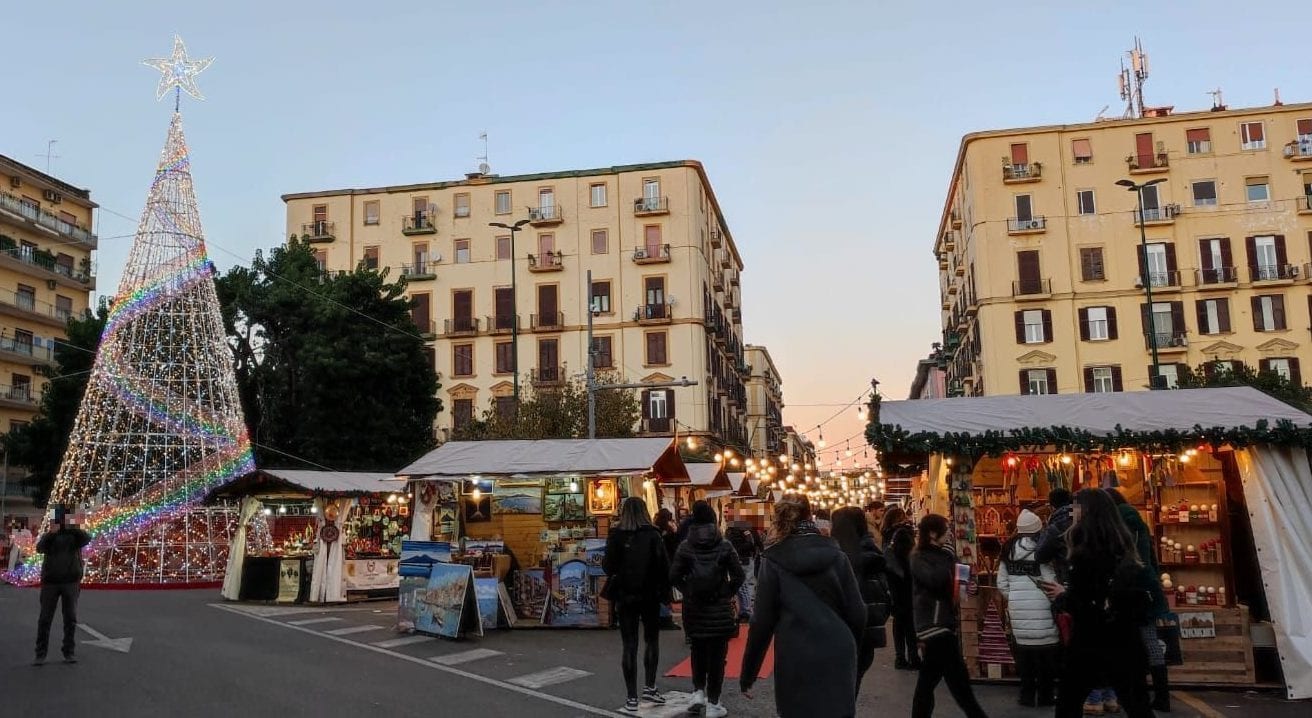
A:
(427, 491)
(329, 533)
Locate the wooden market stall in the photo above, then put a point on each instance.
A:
(1219, 475)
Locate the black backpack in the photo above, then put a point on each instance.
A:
(705, 580)
(1128, 601)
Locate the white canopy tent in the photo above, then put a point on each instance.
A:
(546, 457)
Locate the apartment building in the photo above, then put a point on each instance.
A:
(45, 277)
(930, 381)
(765, 404)
(666, 283)
(1043, 280)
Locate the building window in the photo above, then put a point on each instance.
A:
(1024, 208)
(321, 259)
(1216, 261)
(547, 203)
(503, 247)
(1258, 189)
(1169, 372)
(420, 253)
(658, 404)
(502, 202)
(462, 204)
(1286, 367)
(1038, 381)
(1204, 192)
(1214, 316)
(597, 194)
(504, 355)
(601, 297)
(602, 355)
(1252, 136)
(1082, 149)
(505, 406)
(546, 245)
(1091, 264)
(1198, 141)
(371, 211)
(421, 215)
(371, 257)
(600, 241)
(1269, 313)
(1101, 380)
(23, 341)
(1034, 328)
(462, 251)
(462, 413)
(1084, 200)
(1098, 324)
(651, 192)
(1266, 258)
(462, 360)
(657, 348)
(1160, 268)
(21, 387)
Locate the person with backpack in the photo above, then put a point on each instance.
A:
(1107, 606)
(899, 538)
(637, 582)
(853, 536)
(1037, 641)
(708, 572)
(1149, 579)
(748, 547)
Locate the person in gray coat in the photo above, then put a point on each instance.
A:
(808, 602)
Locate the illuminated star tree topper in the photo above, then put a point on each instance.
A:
(178, 71)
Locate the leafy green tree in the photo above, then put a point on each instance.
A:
(331, 369)
(558, 412)
(1267, 381)
(39, 446)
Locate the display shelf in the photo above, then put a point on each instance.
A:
(1208, 566)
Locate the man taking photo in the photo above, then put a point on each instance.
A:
(61, 579)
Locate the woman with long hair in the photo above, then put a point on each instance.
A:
(808, 601)
(1149, 579)
(1106, 606)
(707, 572)
(934, 586)
(637, 582)
(852, 533)
(899, 538)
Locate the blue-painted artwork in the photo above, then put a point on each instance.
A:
(573, 599)
(489, 602)
(440, 606)
(418, 557)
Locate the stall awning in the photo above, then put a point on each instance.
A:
(709, 476)
(551, 457)
(316, 483)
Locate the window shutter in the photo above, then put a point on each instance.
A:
(1084, 148)
(1020, 154)
(1143, 317)
(1178, 325)
(1170, 257)
(1227, 258)
(1047, 325)
(1196, 135)
(1282, 258)
(1027, 267)
(1203, 326)
(1142, 253)
(1205, 255)
(669, 405)
(1020, 327)
(1304, 127)
(1084, 324)
(646, 403)
(1257, 313)
(1294, 375)
(1117, 384)
(1111, 322)
(1024, 382)
(1263, 365)
(1088, 380)
(1086, 264)
(1250, 244)
(1223, 315)
(1278, 311)
(1052, 381)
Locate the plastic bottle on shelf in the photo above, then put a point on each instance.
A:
(1213, 513)
(1211, 595)
(1195, 512)
(1182, 511)
(1220, 596)
(1191, 554)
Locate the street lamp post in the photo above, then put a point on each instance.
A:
(1156, 380)
(514, 301)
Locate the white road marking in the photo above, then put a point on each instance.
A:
(455, 659)
(591, 710)
(311, 621)
(352, 629)
(121, 645)
(549, 677)
(403, 641)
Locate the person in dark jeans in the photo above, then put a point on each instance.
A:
(933, 574)
(899, 538)
(638, 581)
(61, 579)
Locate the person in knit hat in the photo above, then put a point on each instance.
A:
(1030, 611)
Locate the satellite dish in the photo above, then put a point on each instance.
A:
(484, 168)
(437, 257)
(672, 299)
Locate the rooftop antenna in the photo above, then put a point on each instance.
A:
(1132, 79)
(1103, 111)
(1218, 104)
(1278, 103)
(483, 166)
(49, 154)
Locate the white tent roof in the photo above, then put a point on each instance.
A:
(335, 481)
(1099, 414)
(542, 457)
(703, 474)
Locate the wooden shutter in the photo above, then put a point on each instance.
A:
(669, 405)
(1117, 384)
(1170, 258)
(1263, 365)
(1256, 131)
(420, 311)
(1257, 313)
(1197, 135)
(1142, 253)
(1027, 270)
(1082, 148)
(1084, 324)
(548, 356)
(1020, 327)
(462, 307)
(1143, 148)
(1205, 257)
(1250, 244)
(1088, 380)
(1178, 325)
(1111, 322)
(1020, 154)
(1304, 127)
(1047, 325)
(1024, 382)
(1223, 314)
(1203, 326)
(547, 307)
(1052, 380)
(1282, 258)
(646, 404)
(1278, 311)
(1295, 375)
(1144, 309)
(1227, 258)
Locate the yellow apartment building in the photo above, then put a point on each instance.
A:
(45, 277)
(666, 283)
(1042, 276)
(765, 404)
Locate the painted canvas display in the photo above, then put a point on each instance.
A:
(564, 507)
(447, 607)
(577, 577)
(517, 500)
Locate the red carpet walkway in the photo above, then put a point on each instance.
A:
(734, 669)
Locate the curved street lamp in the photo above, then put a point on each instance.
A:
(1156, 381)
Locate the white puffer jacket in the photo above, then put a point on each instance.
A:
(1028, 607)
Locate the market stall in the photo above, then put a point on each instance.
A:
(545, 506)
(748, 503)
(315, 536)
(1219, 475)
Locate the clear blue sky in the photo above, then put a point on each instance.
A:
(828, 128)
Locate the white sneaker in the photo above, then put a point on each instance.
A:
(698, 703)
(715, 710)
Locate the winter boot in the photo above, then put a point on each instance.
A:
(1161, 690)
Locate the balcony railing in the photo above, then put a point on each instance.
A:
(1305, 204)
(1019, 225)
(426, 329)
(1158, 162)
(662, 312)
(1219, 275)
(544, 215)
(42, 218)
(643, 206)
(551, 320)
(461, 325)
(419, 271)
(1166, 339)
(548, 375)
(1272, 272)
(1299, 149)
(417, 223)
(502, 323)
(652, 255)
(46, 261)
(25, 347)
(18, 394)
(661, 425)
(1022, 173)
(546, 262)
(319, 231)
(1031, 287)
(1163, 280)
(49, 313)
(1162, 214)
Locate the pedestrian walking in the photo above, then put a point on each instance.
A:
(934, 587)
(1038, 643)
(1149, 574)
(61, 582)
(808, 602)
(1052, 542)
(708, 572)
(637, 582)
(853, 536)
(874, 511)
(670, 539)
(1107, 606)
(748, 547)
(899, 539)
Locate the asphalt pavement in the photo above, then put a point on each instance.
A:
(192, 654)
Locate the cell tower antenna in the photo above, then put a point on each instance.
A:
(1132, 79)
(483, 166)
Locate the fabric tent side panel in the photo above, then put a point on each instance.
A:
(1277, 485)
(237, 551)
(421, 519)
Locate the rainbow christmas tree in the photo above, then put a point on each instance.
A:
(160, 424)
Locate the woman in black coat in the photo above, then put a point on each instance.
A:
(853, 536)
(807, 600)
(899, 538)
(708, 572)
(637, 581)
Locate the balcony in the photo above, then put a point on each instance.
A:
(653, 313)
(24, 351)
(1158, 215)
(42, 219)
(1219, 278)
(1167, 341)
(547, 262)
(1027, 225)
(461, 326)
(17, 397)
(1271, 273)
(550, 322)
(717, 280)
(1300, 150)
(659, 254)
(956, 219)
(651, 206)
(417, 223)
(1305, 204)
(658, 425)
(427, 329)
(548, 375)
(319, 232)
(1147, 164)
(40, 263)
(545, 216)
(1161, 281)
(716, 239)
(502, 323)
(1019, 174)
(1031, 288)
(25, 306)
(419, 271)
